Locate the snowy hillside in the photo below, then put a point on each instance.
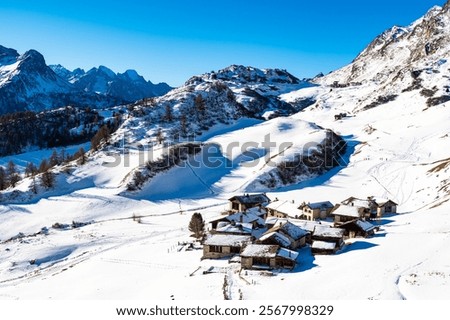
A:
(90, 237)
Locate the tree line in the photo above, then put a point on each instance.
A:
(40, 175)
(50, 129)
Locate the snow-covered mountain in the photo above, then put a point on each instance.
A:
(241, 75)
(128, 86)
(401, 59)
(396, 127)
(27, 83)
(256, 90)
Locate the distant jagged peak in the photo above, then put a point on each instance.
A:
(132, 75)
(32, 54)
(60, 70)
(8, 51)
(7, 55)
(33, 58)
(28, 83)
(79, 71)
(246, 74)
(102, 70)
(33, 63)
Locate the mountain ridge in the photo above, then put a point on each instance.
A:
(28, 83)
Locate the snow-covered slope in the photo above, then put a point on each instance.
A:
(398, 149)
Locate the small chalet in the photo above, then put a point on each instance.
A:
(358, 228)
(283, 209)
(220, 245)
(247, 201)
(374, 207)
(308, 226)
(316, 210)
(304, 211)
(385, 206)
(368, 204)
(327, 239)
(323, 247)
(286, 234)
(252, 217)
(344, 213)
(326, 233)
(262, 257)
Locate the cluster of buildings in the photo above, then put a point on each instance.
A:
(267, 234)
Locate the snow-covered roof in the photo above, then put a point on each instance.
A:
(287, 254)
(256, 211)
(260, 250)
(278, 237)
(323, 245)
(251, 198)
(295, 232)
(320, 205)
(304, 224)
(381, 201)
(268, 251)
(275, 220)
(365, 225)
(227, 240)
(324, 231)
(245, 217)
(308, 225)
(363, 203)
(240, 217)
(286, 207)
(348, 211)
(237, 228)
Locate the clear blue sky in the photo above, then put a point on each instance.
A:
(170, 40)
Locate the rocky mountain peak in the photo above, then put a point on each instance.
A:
(7, 55)
(105, 71)
(29, 84)
(32, 60)
(132, 75)
(245, 75)
(398, 50)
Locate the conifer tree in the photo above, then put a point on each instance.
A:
(12, 174)
(3, 179)
(197, 225)
(31, 169)
(48, 179)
